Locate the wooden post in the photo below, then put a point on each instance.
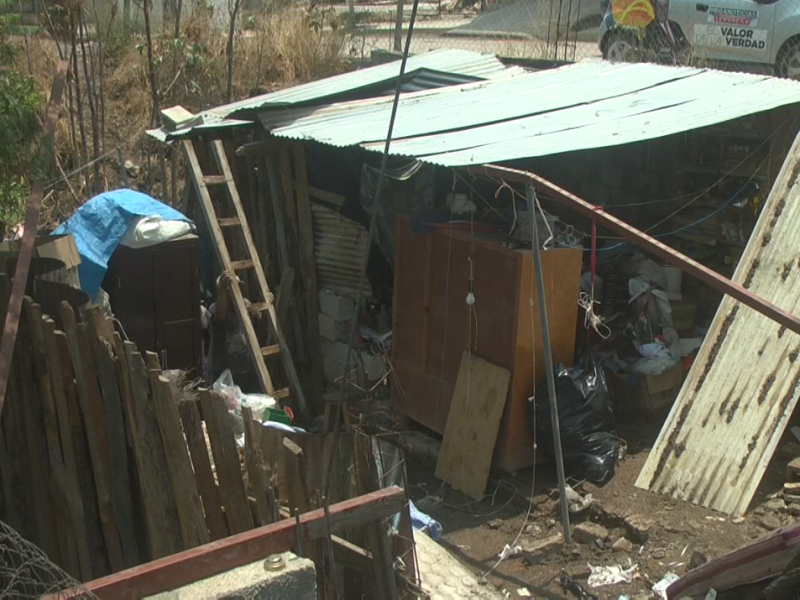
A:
(190, 511)
(308, 270)
(207, 487)
(117, 451)
(252, 463)
(160, 511)
(226, 461)
(96, 434)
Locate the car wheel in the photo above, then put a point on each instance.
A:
(788, 62)
(621, 46)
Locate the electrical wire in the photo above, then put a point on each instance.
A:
(368, 247)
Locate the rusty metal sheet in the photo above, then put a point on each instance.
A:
(340, 247)
(734, 405)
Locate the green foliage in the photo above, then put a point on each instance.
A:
(20, 132)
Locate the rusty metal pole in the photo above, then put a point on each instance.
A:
(548, 365)
(641, 239)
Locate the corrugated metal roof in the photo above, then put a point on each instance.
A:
(592, 104)
(445, 62)
(431, 70)
(744, 384)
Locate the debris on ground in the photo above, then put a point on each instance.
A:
(588, 533)
(612, 574)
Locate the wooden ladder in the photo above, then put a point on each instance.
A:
(251, 262)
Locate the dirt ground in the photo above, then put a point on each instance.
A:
(680, 533)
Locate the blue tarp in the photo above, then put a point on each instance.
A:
(98, 227)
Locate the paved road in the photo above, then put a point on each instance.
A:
(511, 48)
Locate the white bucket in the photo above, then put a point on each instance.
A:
(673, 279)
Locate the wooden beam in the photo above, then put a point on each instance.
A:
(241, 549)
(692, 267)
(326, 196)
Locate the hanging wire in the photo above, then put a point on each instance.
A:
(368, 246)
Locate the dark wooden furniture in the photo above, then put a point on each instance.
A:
(433, 324)
(155, 294)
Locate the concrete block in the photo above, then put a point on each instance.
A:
(364, 365)
(340, 308)
(296, 580)
(331, 329)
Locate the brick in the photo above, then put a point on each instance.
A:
(588, 533)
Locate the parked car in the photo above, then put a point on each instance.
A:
(765, 33)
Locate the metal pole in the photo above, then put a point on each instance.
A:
(548, 363)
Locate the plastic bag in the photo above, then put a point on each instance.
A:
(589, 443)
(229, 390)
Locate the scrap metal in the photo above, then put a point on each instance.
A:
(744, 384)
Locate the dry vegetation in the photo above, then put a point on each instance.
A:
(274, 47)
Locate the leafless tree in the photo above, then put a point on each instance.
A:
(233, 11)
(150, 65)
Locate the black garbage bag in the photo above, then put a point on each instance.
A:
(589, 443)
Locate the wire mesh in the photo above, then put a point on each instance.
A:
(26, 572)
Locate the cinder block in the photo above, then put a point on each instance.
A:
(340, 308)
(295, 580)
(331, 329)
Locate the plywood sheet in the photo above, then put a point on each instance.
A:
(744, 385)
(472, 425)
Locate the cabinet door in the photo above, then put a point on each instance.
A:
(129, 284)
(177, 305)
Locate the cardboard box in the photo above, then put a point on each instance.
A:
(647, 394)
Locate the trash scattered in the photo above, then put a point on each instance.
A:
(524, 592)
(568, 584)
(422, 522)
(578, 503)
(610, 575)
(508, 552)
(711, 595)
(660, 589)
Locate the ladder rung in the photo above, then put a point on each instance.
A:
(270, 350)
(229, 222)
(281, 393)
(257, 307)
(241, 265)
(214, 179)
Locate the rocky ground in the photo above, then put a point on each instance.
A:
(619, 526)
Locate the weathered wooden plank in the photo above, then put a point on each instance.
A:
(33, 316)
(308, 271)
(377, 536)
(226, 460)
(37, 516)
(89, 400)
(77, 525)
(252, 463)
(105, 363)
(196, 440)
(190, 511)
(94, 416)
(83, 464)
(160, 512)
